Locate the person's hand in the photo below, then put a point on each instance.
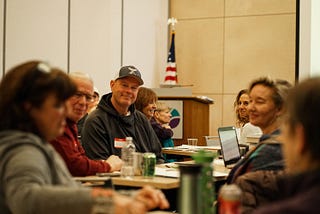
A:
(128, 205)
(122, 204)
(152, 198)
(115, 163)
(166, 126)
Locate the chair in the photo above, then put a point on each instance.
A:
(212, 140)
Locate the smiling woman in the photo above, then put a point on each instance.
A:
(267, 98)
(146, 101)
(244, 127)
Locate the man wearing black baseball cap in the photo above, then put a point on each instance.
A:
(116, 118)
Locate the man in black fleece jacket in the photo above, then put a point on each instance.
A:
(116, 118)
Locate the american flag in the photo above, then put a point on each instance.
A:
(171, 70)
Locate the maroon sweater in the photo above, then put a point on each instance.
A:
(69, 147)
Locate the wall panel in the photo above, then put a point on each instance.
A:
(145, 38)
(259, 7)
(199, 54)
(258, 46)
(95, 39)
(36, 29)
(188, 9)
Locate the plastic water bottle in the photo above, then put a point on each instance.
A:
(127, 153)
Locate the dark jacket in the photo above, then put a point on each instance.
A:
(298, 194)
(164, 134)
(267, 155)
(105, 124)
(258, 188)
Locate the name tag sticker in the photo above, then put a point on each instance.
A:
(119, 142)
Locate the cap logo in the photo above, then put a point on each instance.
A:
(132, 70)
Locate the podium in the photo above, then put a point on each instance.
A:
(195, 121)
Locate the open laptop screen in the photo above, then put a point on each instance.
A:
(229, 145)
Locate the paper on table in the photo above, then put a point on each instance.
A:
(217, 174)
(174, 173)
(167, 172)
(189, 147)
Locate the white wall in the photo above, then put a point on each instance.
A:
(1, 36)
(95, 39)
(315, 38)
(145, 38)
(101, 37)
(36, 29)
(305, 40)
(309, 63)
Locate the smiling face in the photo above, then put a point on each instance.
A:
(149, 109)
(78, 104)
(262, 109)
(49, 117)
(242, 107)
(124, 93)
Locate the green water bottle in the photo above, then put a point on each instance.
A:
(205, 158)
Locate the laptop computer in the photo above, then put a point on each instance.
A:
(229, 145)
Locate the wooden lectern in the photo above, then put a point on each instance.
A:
(195, 118)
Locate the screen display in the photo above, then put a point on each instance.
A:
(229, 143)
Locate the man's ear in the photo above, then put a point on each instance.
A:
(301, 139)
(112, 83)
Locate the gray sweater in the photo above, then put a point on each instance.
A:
(34, 179)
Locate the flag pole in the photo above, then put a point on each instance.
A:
(171, 77)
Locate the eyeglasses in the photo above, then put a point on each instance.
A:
(79, 95)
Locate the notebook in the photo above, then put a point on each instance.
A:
(229, 145)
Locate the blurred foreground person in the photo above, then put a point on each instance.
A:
(34, 178)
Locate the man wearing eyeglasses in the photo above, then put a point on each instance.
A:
(116, 118)
(68, 144)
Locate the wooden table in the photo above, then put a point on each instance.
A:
(136, 181)
(220, 173)
(139, 181)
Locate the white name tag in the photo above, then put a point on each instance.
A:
(119, 142)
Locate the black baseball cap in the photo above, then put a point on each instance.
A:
(130, 71)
